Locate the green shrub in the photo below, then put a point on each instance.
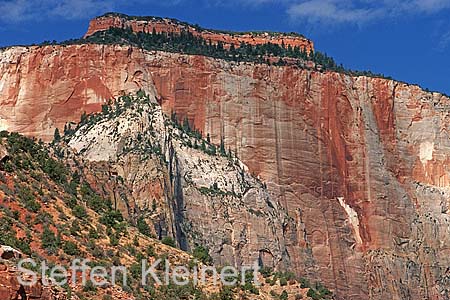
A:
(284, 296)
(143, 227)
(8, 237)
(93, 200)
(136, 270)
(313, 294)
(304, 283)
(49, 241)
(150, 251)
(226, 293)
(248, 286)
(168, 241)
(32, 206)
(202, 254)
(75, 228)
(114, 240)
(111, 218)
(70, 248)
(89, 287)
(79, 212)
(26, 196)
(322, 291)
(93, 234)
(70, 202)
(266, 272)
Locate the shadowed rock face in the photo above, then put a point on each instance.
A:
(361, 164)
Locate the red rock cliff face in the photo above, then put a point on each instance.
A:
(169, 25)
(361, 164)
(11, 289)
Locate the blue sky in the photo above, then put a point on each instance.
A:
(408, 40)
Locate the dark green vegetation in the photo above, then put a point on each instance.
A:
(26, 155)
(186, 42)
(9, 236)
(316, 291)
(202, 254)
(37, 178)
(194, 139)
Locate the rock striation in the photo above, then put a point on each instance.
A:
(360, 164)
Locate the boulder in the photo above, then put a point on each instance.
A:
(7, 252)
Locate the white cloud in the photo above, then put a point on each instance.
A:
(432, 6)
(14, 11)
(331, 11)
(360, 11)
(444, 41)
(311, 11)
(78, 9)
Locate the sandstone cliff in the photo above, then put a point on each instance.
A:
(360, 164)
(159, 25)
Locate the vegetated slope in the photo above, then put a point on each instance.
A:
(51, 212)
(102, 205)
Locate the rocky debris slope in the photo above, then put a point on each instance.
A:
(10, 287)
(359, 163)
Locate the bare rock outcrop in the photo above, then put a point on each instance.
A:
(3, 153)
(11, 289)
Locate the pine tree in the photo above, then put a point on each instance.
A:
(174, 118)
(186, 126)
(83, 118)
(213, 149)
(203, 147)
(56, 135)
(105, 109)
(222, 147)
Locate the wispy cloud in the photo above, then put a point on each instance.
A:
(77, 9)
(360, 11)
(324, 11)
(444, 41)
(432, 6)
(14, 11)
(310, 11)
